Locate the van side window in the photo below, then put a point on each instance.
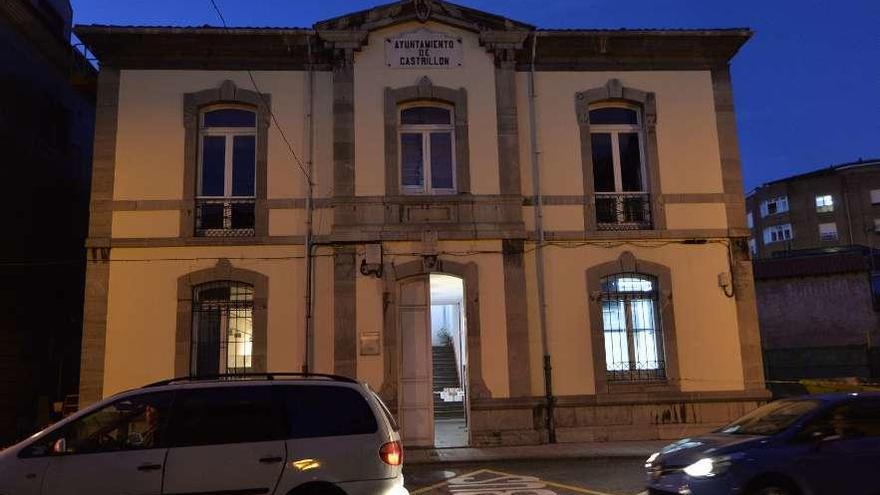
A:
(321, 411)
(224, 415)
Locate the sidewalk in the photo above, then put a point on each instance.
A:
(591, 450)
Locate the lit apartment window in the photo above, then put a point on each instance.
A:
(877, 225)
(824, 203)
(777, 233)
(622, 200)
(227, 173)
(875, 196)
(753, 247)
(427, 144)
(774, 206)
(223, 322)
(828, 231)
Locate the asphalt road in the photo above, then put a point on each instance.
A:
(541, 477)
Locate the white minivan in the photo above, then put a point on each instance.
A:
(284, 434)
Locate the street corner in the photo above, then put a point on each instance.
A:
(491, 482)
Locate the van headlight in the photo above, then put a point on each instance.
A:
(711, 466)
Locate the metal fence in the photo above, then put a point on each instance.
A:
(623, 211)
(225, 217)
(222, 332)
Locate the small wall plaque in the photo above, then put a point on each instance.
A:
(370, 344)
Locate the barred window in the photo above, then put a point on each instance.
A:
(222, 331)
(632, 328)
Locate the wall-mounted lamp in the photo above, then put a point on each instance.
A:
(372, 262)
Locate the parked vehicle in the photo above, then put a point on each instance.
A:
(280, 434)
(812, 445)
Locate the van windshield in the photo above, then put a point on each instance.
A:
(772, 418)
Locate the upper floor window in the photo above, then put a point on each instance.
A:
(619, 176)
(427, 150)
(222, 329)
(774, 206)
(824, 203)
(828, 231)
(777, 233)
(753, 247)
(750, 220)
(875, 196)
(226, 189)
(633, 334)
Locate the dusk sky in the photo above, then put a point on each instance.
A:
(807, 85)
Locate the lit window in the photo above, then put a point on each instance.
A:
(828, 231)
(774, 206)
(875, 196)
(824, 203)
(227, 172)
(753, 247)
(777, 233)
(427, 144)
(619, 168)
(222, 335)
(631, 326)
(877, 225)
(750, 220)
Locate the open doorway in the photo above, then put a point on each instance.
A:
(449, 361)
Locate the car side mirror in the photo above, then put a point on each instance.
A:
(60, 446)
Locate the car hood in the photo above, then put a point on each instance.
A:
(689, 450)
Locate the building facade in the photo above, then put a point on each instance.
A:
(563, 209)
(47, 93)
(821, 210)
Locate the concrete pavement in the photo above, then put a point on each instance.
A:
(590, 450)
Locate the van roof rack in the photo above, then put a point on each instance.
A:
(249, 376)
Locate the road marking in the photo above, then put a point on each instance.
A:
(501, 483)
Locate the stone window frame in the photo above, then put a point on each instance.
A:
(193, 106)
(222, 272)
(615, 92)
(628, 263)
(425, 91)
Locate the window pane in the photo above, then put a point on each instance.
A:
(616, 346)
(644, 335)
(240, 341)
(441, 160)
(206, 333)
(412, 171)
(603, 162)
(222, 328)
(230, 117)
(320, 411)
(213, 165)
(127, 424)
(613, 115)
(243, 165)
(630, 161)
(425, 116)
(225, 415)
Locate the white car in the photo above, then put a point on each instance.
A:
(284, 434)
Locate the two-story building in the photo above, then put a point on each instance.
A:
(558, 213)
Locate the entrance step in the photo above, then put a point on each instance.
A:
(445, 376)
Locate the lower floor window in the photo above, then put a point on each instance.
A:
(631, 326)
(222, 331)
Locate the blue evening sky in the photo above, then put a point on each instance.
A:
(807, 85)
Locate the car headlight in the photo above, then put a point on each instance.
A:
(711, 466)
(649, 462)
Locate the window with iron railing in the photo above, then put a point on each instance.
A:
(621, 193)
(223, 323)
(632, 328)
(227, 171)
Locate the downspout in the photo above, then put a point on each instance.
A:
(539, 251)
(308, 361)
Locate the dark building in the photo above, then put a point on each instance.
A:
(828, 208)
(47, 92)
(820, 315)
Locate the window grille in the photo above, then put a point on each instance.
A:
(222, 330)
(632, 328)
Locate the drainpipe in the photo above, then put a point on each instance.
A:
(539, 251)
(308, 361)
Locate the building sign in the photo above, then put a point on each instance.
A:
(423, 49)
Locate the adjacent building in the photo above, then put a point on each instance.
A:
(827, 208)
(544, 228)
(47, 92)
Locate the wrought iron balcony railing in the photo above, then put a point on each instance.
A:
(225, 217)
(623, 211)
